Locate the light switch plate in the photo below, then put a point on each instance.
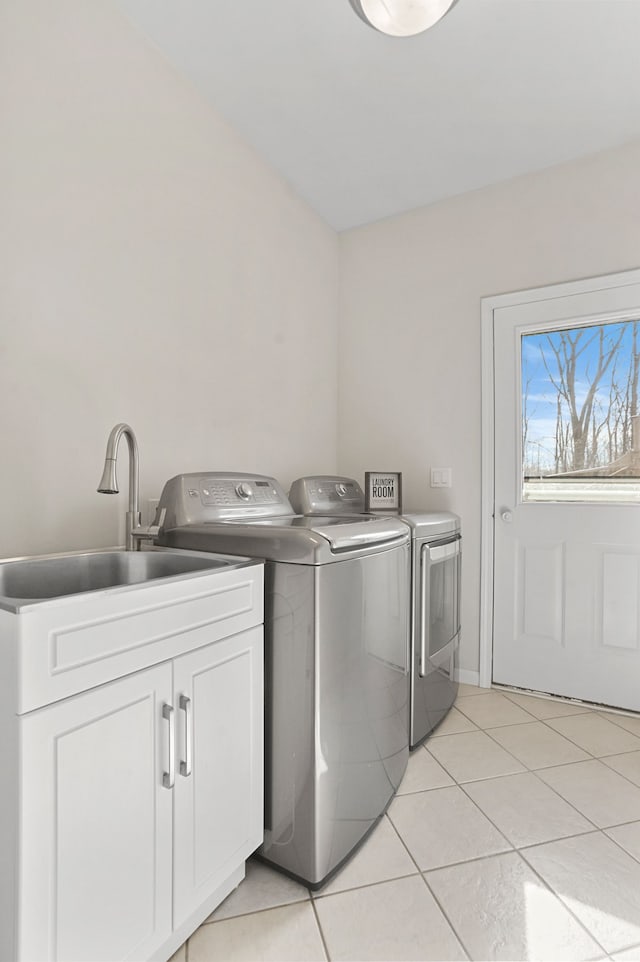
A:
(440, 477)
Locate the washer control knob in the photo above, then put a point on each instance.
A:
(341, 489)
(244, 490)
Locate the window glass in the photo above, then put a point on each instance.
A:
(580, 413)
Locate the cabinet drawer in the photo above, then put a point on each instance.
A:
(69, 648)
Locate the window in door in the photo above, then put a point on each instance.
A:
(581, 413)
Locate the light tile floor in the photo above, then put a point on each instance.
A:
(515, 835)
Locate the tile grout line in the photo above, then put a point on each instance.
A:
(629, 731)
(261, 911)
(615, 770)
(319, 925)
(404, 844)
(545, 885)
(561, 900)
(488, 731)
(590, 711)
(490, 820)
(495, 741)
(566, 801)
(365, 885)
(457, 935)
(577, 744)
(631, 821)
(515, 847)
(507, 724)
(629, 948)
(611, 768)
(265, 908)
(621, 847)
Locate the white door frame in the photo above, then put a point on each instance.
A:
(488, 306)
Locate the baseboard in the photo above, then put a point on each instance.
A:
(467, 677)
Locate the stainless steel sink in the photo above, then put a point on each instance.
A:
(30, 580)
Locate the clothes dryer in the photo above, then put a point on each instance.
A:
(436, 554)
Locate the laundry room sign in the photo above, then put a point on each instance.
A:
(383, 491)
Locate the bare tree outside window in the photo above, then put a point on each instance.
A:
(580, 405)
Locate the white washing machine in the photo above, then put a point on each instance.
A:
(436, 555)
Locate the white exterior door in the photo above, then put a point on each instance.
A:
(566, 591)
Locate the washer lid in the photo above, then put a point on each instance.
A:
(345, 533)
(342, 532)
(295, 540)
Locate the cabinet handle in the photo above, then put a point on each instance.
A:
(185, 766)
(168, 778)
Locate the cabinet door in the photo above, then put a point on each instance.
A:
(95, 835)
(219, 804)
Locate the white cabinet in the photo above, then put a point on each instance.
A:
(96, 825)
(133, 806)
(218, 814)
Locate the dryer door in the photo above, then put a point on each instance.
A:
(440, 598)
(436, 627)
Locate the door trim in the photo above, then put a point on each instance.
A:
(488, 306)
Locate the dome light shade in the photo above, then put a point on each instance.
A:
(401, 18)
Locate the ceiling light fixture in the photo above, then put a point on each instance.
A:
(401, 18)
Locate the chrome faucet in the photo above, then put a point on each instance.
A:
(109, 483)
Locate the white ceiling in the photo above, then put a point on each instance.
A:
(364, 126)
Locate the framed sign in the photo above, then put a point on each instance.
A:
(383, 491)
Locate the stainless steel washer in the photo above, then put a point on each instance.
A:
(336, 658)
(436, 553)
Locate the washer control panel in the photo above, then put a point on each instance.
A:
(221, 496)
(231, 491)
(326, 494)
